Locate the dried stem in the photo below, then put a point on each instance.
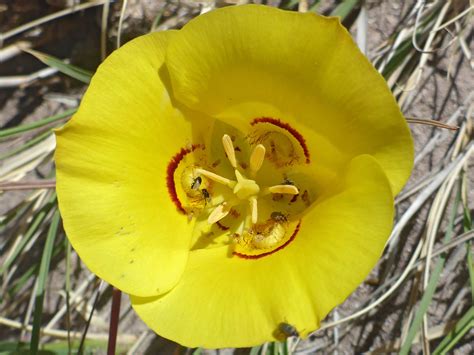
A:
(431, 123)
(114, 321)
(28, 185)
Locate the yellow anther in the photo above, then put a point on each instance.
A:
(216, 178)
(256, 158)
(254, 209)
(229, 150)
(219, 212)
(283, 189)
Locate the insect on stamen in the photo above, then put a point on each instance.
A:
(215, 177)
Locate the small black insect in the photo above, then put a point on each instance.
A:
(288, 182)
(278, 217)
(206, 195)
(196, 183)
(288, 330)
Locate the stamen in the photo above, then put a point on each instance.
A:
(254, 209)
(216, 178)
(229, 150)
(283, 189)
(219, 212)
(256, 158)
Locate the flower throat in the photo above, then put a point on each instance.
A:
(257, 218)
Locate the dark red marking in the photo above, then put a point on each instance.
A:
(245, 256)
(297, 135)
(234, 213)
(221, 226)
(172, 166)
(295, 197)
(237, 149)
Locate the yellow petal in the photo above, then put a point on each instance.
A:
(305, 66)
(224, 301)
(112, 160)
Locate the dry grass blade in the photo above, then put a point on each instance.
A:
(27, 185)
(433, 281)
(42, 279)
(429, 122)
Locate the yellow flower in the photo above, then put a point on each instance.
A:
(234, 175)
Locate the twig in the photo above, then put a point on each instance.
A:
(120, 24)
(86, 329)
(17, 80)
(431, 123)
(103, 30)
(447, 23)
(62, 334)
(114, 320)
(13, 50)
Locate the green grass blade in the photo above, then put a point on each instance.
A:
(344, 8)
(67, 246)
(255, 350)
(470, 267)
(432, 283)
(25, 146)
(292, 3)
(65, 68)
(42, 278)
(467, 226)
(33, 227)
(276, 348)
(40, 123)
(23, 279)
(462, 327)
(157, 20)
(315, 6)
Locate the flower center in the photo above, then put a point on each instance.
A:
(253, 199)
(243, 189)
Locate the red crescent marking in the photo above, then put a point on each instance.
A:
(245, 256)
(297, 135)
(172, 166)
